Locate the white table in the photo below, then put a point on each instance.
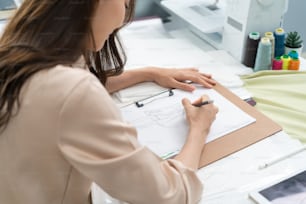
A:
(229, 180)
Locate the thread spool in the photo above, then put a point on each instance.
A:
(251, 49)
(277, 63)
(263, 56)
(279, 35)
(270, 35)
(286, 60)
(294, 64)
(294, 54)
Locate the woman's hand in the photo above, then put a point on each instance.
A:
(166, 77)
(176, 78)
(200, 118)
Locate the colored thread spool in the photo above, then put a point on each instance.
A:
(263, 56)
(277, 63)
(286, 60)
(251, 49)
(270, 35)
(279, 35)
(294, 64)
(294, 54)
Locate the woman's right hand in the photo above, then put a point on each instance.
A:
(200, 118)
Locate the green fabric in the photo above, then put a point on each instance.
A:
(281, 95)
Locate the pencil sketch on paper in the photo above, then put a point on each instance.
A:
(169, 117)
(162, 127)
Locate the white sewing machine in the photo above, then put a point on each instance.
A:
(245, 16)
(225, 24)
(204, 18)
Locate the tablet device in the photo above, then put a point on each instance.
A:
(289, 190)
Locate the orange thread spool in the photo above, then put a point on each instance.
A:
(294, 64)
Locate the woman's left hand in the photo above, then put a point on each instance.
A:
(176, 78)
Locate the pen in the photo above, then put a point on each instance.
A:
(267, 164)
(203, 103)
(170, 154)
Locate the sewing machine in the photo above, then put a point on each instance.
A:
(225, 24)
(204, 18)
(245, 16)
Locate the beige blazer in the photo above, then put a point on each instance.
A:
(69, 133)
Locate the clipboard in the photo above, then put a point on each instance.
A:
(242, 138)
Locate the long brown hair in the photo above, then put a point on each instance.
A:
(45, 33)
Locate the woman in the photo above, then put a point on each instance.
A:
(60, 129)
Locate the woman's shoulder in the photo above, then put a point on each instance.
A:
(63, 76)
(58, 82)
(67, 73)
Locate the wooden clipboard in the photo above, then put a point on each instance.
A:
(239, 139)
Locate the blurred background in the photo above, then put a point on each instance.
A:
(293, 19)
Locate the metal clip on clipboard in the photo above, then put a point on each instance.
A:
(149, 99)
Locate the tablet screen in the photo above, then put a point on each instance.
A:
(289, 191)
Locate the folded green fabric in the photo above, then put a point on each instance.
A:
(281, 95)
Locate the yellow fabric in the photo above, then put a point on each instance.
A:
(281, 95)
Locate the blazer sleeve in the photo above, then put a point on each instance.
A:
(96, 141)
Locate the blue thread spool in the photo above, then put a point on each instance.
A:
(293, 54)
(263, 56)
(279, 35)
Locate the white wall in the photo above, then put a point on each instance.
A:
(294, 19)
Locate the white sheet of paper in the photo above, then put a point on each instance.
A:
(161, 123)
